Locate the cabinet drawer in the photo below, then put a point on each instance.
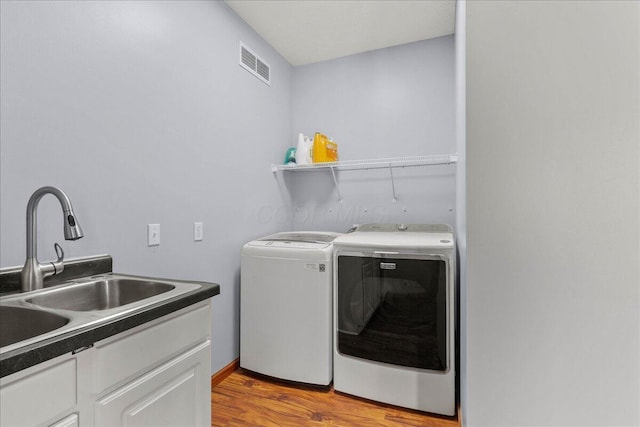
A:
(121, 359)
(40, 396)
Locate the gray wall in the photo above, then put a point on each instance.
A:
(390, 102)
(141, 113)
(553, 188)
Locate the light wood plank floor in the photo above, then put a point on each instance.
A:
(248, 399)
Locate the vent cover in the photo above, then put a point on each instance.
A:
(253, 64)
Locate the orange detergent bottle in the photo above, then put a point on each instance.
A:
(324, 150)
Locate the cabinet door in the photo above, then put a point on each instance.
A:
(176, 393)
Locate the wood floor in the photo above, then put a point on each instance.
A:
(247, 399)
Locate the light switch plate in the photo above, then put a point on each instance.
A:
(153, 234)
(198, 231)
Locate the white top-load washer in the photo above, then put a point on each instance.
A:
(286, 285)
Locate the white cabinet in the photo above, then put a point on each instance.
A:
(166, 396)
(125, 356)
(40, 395)
(156, 374)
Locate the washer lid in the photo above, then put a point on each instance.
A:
(288, 244)
(297, 240)
(303, 236)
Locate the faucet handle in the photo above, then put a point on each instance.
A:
(58, 265)
(59, 252)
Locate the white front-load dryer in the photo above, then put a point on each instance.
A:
(286, 297)
(394, 305)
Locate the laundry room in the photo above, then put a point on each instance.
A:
(493, 131)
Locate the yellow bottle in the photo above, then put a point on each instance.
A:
(324, 150)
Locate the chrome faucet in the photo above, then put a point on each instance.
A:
(33, 273)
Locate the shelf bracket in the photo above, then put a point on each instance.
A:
(393, 184)
(335, 181)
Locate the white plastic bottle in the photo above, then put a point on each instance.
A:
(303, 150)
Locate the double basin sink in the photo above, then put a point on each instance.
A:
(82, 303)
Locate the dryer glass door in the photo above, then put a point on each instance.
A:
(393, 310)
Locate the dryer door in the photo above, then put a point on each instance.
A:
(393, 309)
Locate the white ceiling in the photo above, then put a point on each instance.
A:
(308, 31)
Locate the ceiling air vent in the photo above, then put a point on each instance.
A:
(253, 64)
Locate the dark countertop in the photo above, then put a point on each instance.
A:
(38, 352)
(31, 355)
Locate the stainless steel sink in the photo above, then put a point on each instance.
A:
(100, 294)
(82, 303)
(19, 323)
